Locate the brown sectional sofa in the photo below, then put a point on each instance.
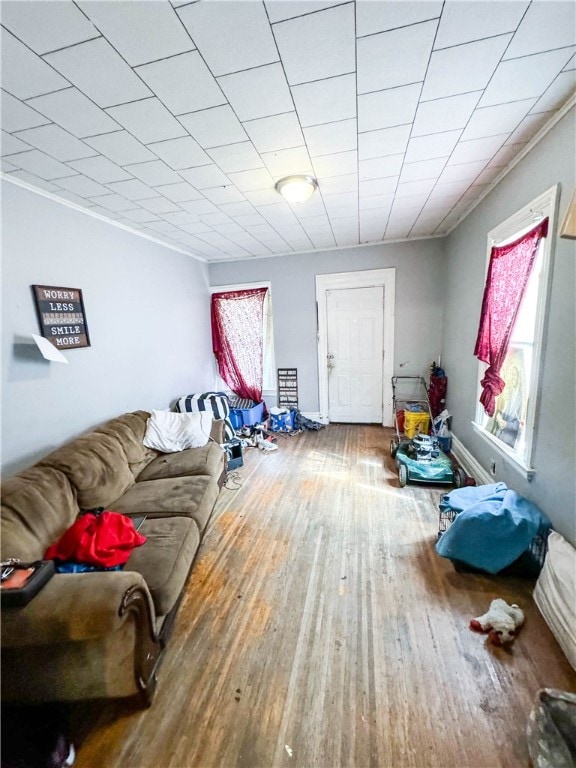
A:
(101, 635)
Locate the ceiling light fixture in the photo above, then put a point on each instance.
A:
(296, 189)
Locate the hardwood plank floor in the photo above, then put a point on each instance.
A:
(320, 629)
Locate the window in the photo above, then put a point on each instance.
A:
(510, 426)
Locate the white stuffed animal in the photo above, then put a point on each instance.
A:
(501, 622)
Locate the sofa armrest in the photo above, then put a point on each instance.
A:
(77, 607)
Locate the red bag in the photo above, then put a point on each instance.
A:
(105, 539)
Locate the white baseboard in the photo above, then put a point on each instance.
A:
(314, 416)
(472, 467)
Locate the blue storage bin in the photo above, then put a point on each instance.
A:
(282, 422)
(246, 417)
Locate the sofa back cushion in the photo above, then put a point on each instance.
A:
(129, 430)
(38, 505)
(96, 466)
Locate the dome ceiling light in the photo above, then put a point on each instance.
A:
(296, 189)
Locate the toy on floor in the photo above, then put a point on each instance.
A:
(501, 622)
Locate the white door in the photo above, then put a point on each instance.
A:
(355, 325)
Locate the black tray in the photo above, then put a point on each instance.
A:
(19, 596)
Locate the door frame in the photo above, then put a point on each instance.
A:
(369, 278)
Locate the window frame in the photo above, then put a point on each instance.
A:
(545, 205)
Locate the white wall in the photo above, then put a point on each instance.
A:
(419, 309)
(553, 486)
(147, 309)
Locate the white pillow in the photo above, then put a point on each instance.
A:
(170, 432)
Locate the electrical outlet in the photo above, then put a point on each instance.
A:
(493, 467)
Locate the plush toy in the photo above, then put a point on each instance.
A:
(501, 622)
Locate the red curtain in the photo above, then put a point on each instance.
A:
(238, 340)
(508, 273)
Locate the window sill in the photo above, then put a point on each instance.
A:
(510, 456)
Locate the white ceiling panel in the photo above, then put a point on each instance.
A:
(398, 57)
(148, 120)
(180, 153)
(463, 68)
(325, 101)
(231, 36)
(99, 72)
(56, 142)
(214, 127)
(176, 119)
(45, 26)
(258, 92)
(269, 134)
(183, 83)
(317, 46)
(332, 137)
(383, 109)
(140, 32)
(24, 74)
(445, 114)
(463, 22)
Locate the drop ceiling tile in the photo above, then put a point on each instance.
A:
(153, 173)
(461, 172)
(131, 190)
(463, 68)
(269, 134)
(332, 137)
(262, 196)
(197, 207)
(410, 202)
(347, 200)
(258, 92)
(183, 83)
(24, 74)
(10, 145)
(140, 216)
(524, 78)
(214, 127)
(114, 203)
(424, 169)
(445, 114)
(178, 192)
(326, 101)
(249, 181)
(100, 169)
(431, 147)
(73, 111)
(448, 190)
(236, 157)
(477, 149)
(39, 164)
(141, 32)
(545, 26)
(180, 153)
(7, 167)
(46, 26)
(502, 118)
(337, 164)
(380, 167)
(317, 46)
(231, 36)
(81, 185)
(205, 176)
(219, 195)
(17, 116)
(148, 120)
(410, 188)
(158, 205)
(528, 128)
(164, 227)
(386, 141)
(398, 57)
(196, 228)
(372, 17)
(57, 142)
(378, 186)
(219, 219)
(323, 241)
(226, 228)
(313, 207)
(383, 109)
(240, 209)
(76, 199)
(99, 72)
(505, 154)
(558, 93)
(181, 218)
(35, 181)
(287, 162)
(338, 184)
(472, 20)
(121, 148)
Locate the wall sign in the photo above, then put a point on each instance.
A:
(288, 388)
(61, 316)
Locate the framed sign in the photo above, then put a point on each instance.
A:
(61, 316)
(288, 388)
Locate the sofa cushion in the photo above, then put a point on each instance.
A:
(208, 460)
(96, 466)
(129, 430)
(165, 560)
(171, 497)
(38, 505)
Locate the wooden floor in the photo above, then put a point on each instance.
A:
(321, 630)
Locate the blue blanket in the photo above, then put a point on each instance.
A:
(493, 527)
